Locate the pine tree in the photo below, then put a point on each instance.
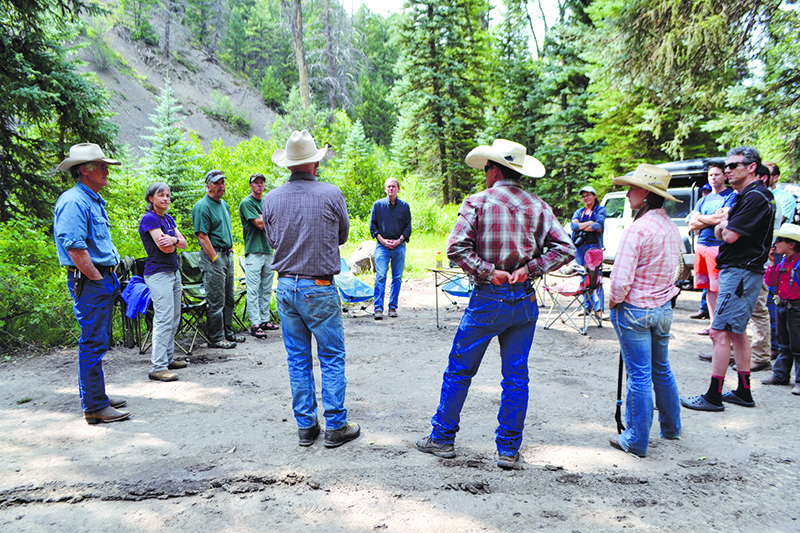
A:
(171, 159)
(442, 90)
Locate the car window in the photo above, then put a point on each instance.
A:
(678, 210)
(615, 207)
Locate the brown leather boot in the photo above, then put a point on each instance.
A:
(106, 414)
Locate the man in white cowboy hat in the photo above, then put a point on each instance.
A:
(499, 239)
(83, 243)
(746, 232)
(211, 218)
(306, 221)
(390, 225)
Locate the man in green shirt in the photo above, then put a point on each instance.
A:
(258, 259)
(211, 217)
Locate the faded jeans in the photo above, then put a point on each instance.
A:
(383, 256)
(644, 340)
(509, 313)
(258, 275)
(93, 310)
(309, 309)
(165, 292)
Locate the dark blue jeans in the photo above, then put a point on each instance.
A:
(789, 340)
(509, 313)
(93, 310)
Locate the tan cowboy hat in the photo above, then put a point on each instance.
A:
(84, 153)
(789, 231)
(507, 153)
(300, 149)
(650, 177)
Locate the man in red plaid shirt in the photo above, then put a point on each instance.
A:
(499, 240)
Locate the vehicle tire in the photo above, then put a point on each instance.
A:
(681, 272)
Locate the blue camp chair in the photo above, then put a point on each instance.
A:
(458, 287)
(352, 289)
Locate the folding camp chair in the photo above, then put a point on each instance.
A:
(122, 271)
(458, 287)
(241, 294)
(574, 289)
(351, 288)
(193, 304)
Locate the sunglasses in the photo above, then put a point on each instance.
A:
(487, 167)
(731, 166)
(780, 239)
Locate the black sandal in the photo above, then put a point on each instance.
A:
(257, 332)
(268, 325)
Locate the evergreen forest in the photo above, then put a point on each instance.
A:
(606, 85)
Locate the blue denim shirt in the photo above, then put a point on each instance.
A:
(81, 222)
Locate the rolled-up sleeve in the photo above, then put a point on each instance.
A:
(71, 225)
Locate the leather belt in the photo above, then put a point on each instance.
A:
(789, 303)
(301, 276)
(100, 268)
(222, 251)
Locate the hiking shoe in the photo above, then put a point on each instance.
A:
(507, 462)
(175, 365)
(796, 389)
(392, 313)
(163, 375)
(426, 444)
(378, 315)
(700, 315)
(772, 380)
(237, 338)
(308, 435)
(337, 437)
(225, 345)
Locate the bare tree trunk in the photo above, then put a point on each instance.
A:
(330, 57)
(296, 25)
(167, 23)
(217, 28)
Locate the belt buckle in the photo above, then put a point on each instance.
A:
(323, 282)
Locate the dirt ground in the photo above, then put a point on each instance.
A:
(217, 450)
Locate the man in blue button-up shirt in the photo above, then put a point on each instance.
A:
(390, 225)
(83, 241)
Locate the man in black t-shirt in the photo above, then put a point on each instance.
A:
(746, 232)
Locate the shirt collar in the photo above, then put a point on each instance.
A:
(307, 176)
(93, 195)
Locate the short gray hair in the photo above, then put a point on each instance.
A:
(152, 190)
(749, 154)
(75, 170)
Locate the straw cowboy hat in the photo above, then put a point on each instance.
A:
(85, 153)
(789, 231)
(650, 177)
(508, 154)
(300, 149)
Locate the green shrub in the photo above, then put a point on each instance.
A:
(222, 111)
(35, 305)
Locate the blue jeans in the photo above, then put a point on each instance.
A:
(644, 340)
(305, 309)
(93, 310)
(597, 296)
(773, 319)
(789, 335)
(259, 276)
(383, 256)
(509, 313)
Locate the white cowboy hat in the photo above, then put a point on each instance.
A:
(650, 177)
(789, 231)
(507, 153)
(84, 153)
(300, 149)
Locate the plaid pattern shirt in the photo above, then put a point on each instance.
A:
(306, 220)
(647, 256)
(505, 228)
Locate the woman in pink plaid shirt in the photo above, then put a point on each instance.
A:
(640, 300)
